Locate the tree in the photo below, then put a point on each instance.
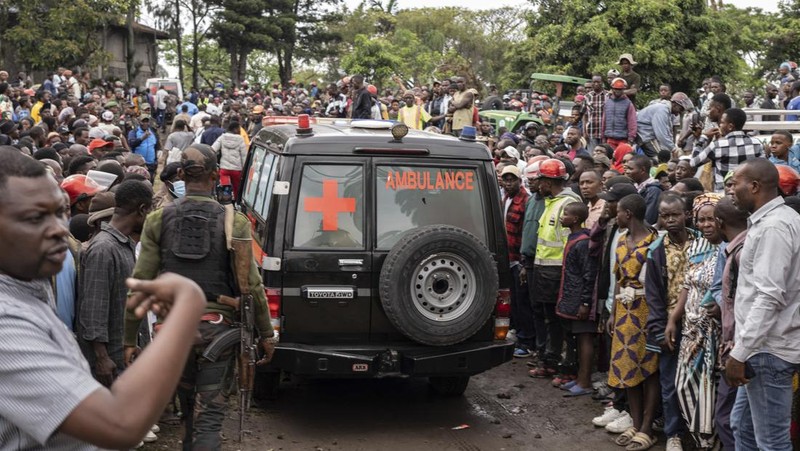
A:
(243, 26)
(51, 33)
(184, 19)
(675, 41)
(375, 58)
(305, 33)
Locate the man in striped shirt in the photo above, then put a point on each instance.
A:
(48, 397)
(731, 148)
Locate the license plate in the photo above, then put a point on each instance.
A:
(360, 367)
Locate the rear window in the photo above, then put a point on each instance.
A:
(409, 197)
(258, 183)
(330, 212)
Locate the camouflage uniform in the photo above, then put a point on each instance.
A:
(174, 248)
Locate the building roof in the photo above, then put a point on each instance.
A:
(140, 28)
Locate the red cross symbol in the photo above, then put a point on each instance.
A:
(330, 205)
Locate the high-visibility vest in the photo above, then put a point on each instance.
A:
(552, 235)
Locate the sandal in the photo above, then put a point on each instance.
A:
(541, 372)
(626, 437)
(641, 442)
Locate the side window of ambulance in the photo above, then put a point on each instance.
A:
(258, 187)
(330, 210)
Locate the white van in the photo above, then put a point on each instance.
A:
(172, 85)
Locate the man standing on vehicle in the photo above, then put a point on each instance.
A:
(593, 115)
(169, 244)
(546, 281)
(619, 116)
(362, 104)
(461, 107)
(633, 79)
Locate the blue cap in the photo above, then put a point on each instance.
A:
(468, 133)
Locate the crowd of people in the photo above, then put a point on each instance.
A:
(653, 266)
(652, 247)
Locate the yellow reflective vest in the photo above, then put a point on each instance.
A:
(552, 235)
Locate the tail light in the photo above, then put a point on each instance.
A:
(274, 297)
(502, 314)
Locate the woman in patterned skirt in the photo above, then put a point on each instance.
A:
(695, 381)
(633, 367)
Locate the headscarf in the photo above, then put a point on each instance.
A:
(704, 200)
(622, 150)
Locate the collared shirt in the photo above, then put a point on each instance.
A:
(595, 101)
(727, 153)
(767, 307)
(107, 262)
(677, 262)
(595, 210)
(44, 375)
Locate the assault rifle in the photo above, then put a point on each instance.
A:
(241, 259)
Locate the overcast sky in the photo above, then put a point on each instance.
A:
(768, 5)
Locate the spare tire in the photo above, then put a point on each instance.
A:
(438, 285)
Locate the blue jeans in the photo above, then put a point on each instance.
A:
(668, 369)
(762, 413)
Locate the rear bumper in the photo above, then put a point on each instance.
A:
(387, 360)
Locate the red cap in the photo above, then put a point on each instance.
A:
(98, 143)
(79, 187)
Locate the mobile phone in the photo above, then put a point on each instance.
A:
(224, 194)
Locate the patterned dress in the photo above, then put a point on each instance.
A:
(631, 362)
(695, 381)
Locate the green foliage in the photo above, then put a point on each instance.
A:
(51, 33)
(675, 41)
(376, 58)
(428, 43)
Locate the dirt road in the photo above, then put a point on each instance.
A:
(394, 414)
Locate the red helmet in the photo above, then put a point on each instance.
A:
(553, 169)
(79, 187)
(788, 179)
(372, 90)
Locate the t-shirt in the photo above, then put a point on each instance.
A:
(161, 99)
(44, 376)
(413, 116)
(634, 81)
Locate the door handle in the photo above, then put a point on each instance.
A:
(351, 262)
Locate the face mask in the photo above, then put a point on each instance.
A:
(178, 188)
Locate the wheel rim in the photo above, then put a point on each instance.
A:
(443, 287)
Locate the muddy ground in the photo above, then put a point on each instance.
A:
(402, 414)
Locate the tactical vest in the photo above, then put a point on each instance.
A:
(552, 235)
(193, 245)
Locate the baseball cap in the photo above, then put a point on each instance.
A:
(511, 152)
(617, 192)
(683, 100)
(144, 117)
(602, 159)
(510, 169)
(198, 159)
(100, 143)
(101, 207)
(258, 109)
(619, 83)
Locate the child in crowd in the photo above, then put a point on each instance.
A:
(575, 296)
